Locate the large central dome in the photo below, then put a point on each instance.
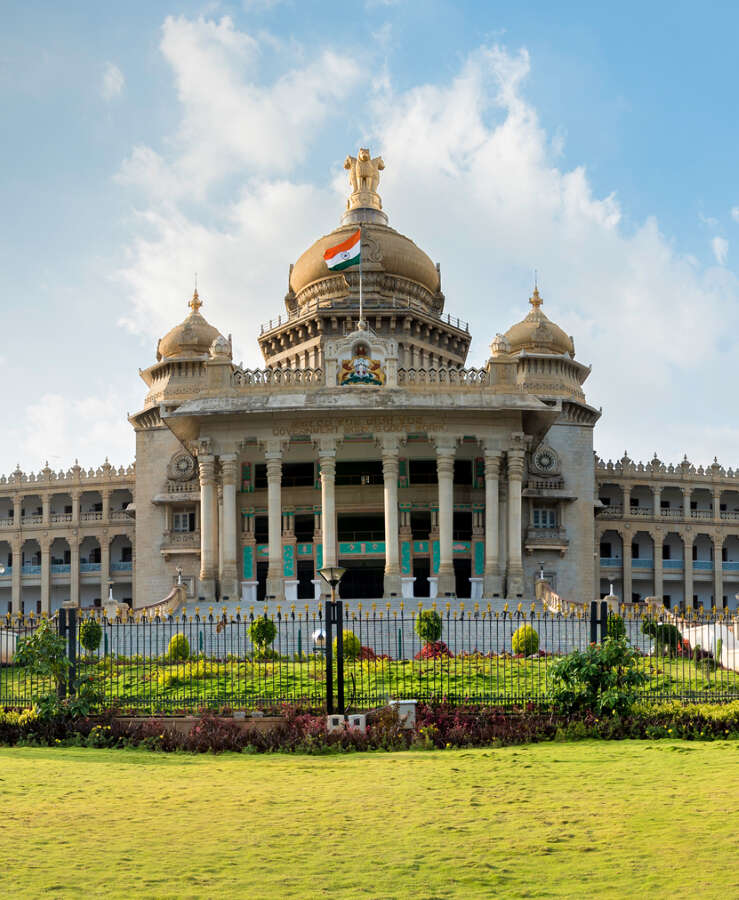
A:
(393, 267)
(383, 249)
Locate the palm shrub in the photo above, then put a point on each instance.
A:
(605, 678)
(428, 626)
(91, 633)
(351, 645)
(262, 632)
(525, 640)
(178, 649)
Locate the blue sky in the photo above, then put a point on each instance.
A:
(144, 142)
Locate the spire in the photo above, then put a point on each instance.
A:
(535, 300)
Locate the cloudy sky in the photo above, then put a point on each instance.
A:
(144, 142)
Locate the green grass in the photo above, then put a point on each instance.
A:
(154, 685)
(626, 819)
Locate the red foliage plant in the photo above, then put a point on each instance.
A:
(434, 650)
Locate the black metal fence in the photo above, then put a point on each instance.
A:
(347, 655)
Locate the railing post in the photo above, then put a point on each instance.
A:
(329, 662)
(339, 609)
(603, 620)
(593, 622)
(72, 647)
(61, 626)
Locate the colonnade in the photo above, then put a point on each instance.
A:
(502, 516)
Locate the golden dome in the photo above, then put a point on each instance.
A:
(382, 248)
(537, 334)
(194, 335)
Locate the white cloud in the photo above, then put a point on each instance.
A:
(735, 213)
(471, 176)
(112, 82)
(60, 429)
(720, 247)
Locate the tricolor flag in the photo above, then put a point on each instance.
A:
(345, 254)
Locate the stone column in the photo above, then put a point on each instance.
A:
(46, 509)
(493, 580)
(105, 496)
(15, 585)
(391, 582)
(515, 565)
(627, 499)
(17, 510)
(657, 497)
(446, 448)
(503, 529)
(659, 588)
(208, 524)
(628, 584)
(327, 459)
(687, 537)
(75, 495)
(687, 493)
(45, 544)
(718, 572)
(105, 567)
(230, 572)
(717, 505)
(74, 567)
(275, 581)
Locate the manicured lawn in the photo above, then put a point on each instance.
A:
(153, 685)
(626, 819)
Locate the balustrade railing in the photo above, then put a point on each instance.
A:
(444, 375)
(277, 377)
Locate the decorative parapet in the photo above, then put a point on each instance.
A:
(656, 470)
(444, 375)
(278, 377)
(76, 474)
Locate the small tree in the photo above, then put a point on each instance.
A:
(351, 645)
(525, 640)
(44, 652)
(179, 648)
(616, 627)
(604, 678)
(262, 632)
(428, 626)
(91, 633)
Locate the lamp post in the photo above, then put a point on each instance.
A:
(332, 575)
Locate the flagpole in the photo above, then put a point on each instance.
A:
(361, 307)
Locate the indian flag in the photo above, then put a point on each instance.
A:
(345, 254)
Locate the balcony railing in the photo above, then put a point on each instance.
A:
(705, 565)
(121, 566)
(31, 520)
(730, 566)
(60, 568)
(119, 515)
(672, 564)
(60, 517)
(643, 563)
(91, 516)
(89, 567)
(610, 562)
(7, 523)
(30, 569)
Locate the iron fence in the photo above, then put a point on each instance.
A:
(167, 665)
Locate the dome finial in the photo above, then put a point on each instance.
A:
(196, 302)
(535, 300)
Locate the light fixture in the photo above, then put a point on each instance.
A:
(332, 575)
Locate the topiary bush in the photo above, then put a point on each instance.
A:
(666, 636)
(179, 648)
(525, 640)
(262, 632)
(428, 626)
(352, 645)
(91, 633)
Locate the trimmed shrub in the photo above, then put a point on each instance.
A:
(262, 632)
(428, 626)
(179, 648)
(667, 638)
(91, 633)
(616, 626)
(351, 643)
(525, 640)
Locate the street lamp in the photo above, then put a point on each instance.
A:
(332, 575)
(319, 641)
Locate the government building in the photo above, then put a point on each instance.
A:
(369, 441)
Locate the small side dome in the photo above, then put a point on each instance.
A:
(500, 345)
(537, 334)
(192, 336)
(220, 348)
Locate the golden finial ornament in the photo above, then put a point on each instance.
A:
(535, 300)
(196, 302)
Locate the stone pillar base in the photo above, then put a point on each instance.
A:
(476, 588)
(291, 590)
(392, 585)
(514, 586)
(275, 590)
(207, 592)
(230, 585)
(249, 592)
(407, 586)
(318, 586)
(433, 586)
(492, 586)
(447, 584)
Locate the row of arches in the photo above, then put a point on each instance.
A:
(61, 506)
(60, 552)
